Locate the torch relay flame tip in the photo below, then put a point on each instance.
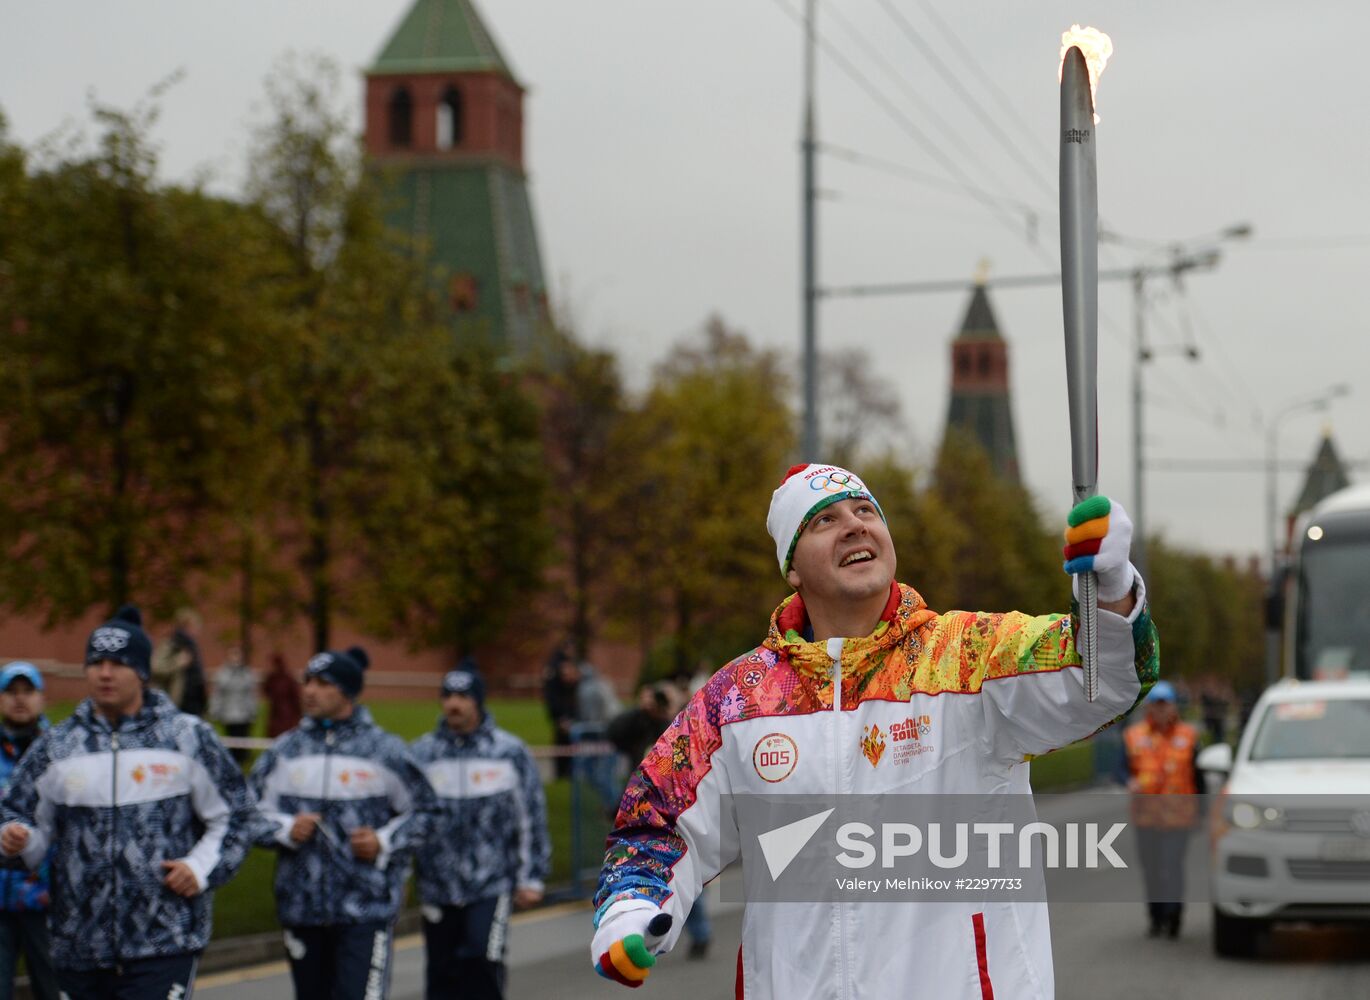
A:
(1095, 46)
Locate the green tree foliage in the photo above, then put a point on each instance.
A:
(858, 409)
(709, 443)
(126, 341)
(1209, 614)
(196, 389)
(1004, 558)
(192, 387)
(305, 177)
(583, 405)
(412, 488)
(454, 543)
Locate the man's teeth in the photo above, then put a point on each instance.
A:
(861, 556)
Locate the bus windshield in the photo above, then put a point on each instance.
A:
(1333, 615)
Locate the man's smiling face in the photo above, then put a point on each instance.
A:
(844, 554)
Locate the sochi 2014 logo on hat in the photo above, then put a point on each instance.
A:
(774, 757)
(108, 639)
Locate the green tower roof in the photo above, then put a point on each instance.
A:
(441, 36)
(1326, 474)
(979, 323)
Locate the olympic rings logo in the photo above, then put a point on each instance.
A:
(836, 482)
(109, 640)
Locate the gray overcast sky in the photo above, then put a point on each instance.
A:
(665, 175)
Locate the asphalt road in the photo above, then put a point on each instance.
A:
(1100, 951)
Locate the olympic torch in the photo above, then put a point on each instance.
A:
(1083, 54)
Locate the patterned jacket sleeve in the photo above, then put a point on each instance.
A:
(675, 818)
(412, 799)
(25, 803)
(273, 825)
(1029, 672)
(222, 803)
(534, 848)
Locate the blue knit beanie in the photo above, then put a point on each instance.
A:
(465, 679)
(343, 669)
(122, 640)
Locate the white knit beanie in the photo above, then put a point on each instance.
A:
(806, 490)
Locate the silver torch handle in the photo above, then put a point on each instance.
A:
(1080, 302)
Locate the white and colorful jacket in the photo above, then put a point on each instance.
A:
(490, 836)
(353, 774)
(112, 804)
(988, 692)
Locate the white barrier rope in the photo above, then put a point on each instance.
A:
(586, 749)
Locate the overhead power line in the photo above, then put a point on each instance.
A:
(853, 156)
(1161, 393)
(913, 93)
(957, 83)
(1043, 154)
(1247, 465)
(910, 128)
(985, 79)
(1312, 243)
(1227, 365)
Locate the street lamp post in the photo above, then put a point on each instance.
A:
(1180, 262)
(1201, 252)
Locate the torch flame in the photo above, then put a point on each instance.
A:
(1096, 48)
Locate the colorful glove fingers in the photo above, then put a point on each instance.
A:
(1098, 541)
(627, 961)
(628, 933)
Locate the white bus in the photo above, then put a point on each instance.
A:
(1327, 607)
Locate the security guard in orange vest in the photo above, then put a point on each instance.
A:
(1164, 781)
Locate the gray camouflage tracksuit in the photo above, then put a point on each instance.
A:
(338, 911)
(114, 803)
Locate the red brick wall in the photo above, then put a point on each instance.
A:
(513, 665)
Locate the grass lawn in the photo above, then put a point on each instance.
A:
(524, 717)
(1072, 765)
(247, 905)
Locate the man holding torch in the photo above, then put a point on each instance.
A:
(851, 651)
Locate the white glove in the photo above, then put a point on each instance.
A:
(1098, 541)
(631, 934)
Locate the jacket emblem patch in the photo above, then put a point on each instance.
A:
(873, 744)
(774, 757)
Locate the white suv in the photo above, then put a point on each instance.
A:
(1291, 833)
